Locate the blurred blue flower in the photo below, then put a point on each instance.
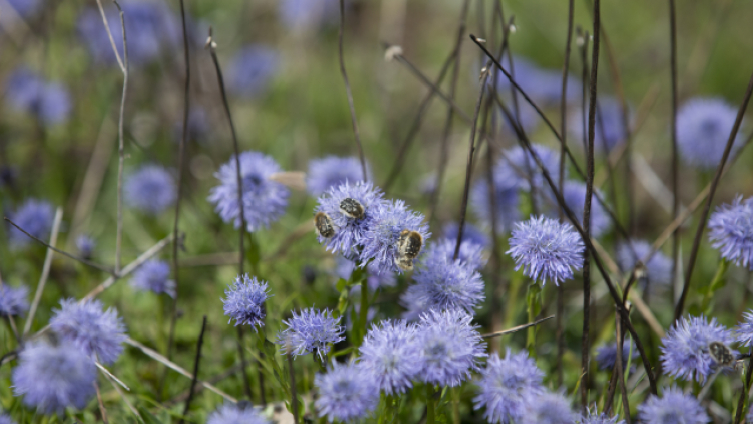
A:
(390, 356)
(470, 233)
(198, 126)
(543, 86)
(331, 172)
(13, 300)
(506, 204)
(25, 8)
(606, 356)
(85, 245)
(703, 128)
(230, 413)
(526, 115)
(744, 330)
(517, 168)
(658, 269)
(153, 275)
(244, 301)
(595, 418)
(28, 92)
(731, 231)
(297, 15)
(506, 386)
(470, 253)
(151, 28)
(548, 408)
(345, 394)
(311, 331)
(674, 407)
(52, 378)
(6, 419)
(546, 249)
(264, 200)
(381, 237)
(349, 232)
(35, 217)
(451, 347)
(685, 350)
(345, 267)
(95, 331)
(575, 196)
(251, 70)
(151, 189)
(609, 129)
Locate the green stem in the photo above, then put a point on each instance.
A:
(364, 312)
(430, 413)
(534, 308)
(715, 284)
(456, 405)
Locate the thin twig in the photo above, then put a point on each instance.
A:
(196, 361)
(618, 363)
(109, 35)
(125, 399)
(45, 271)
(744, 392)
(293, 388)
(121, 150)
(516, 328)
(106, 372)
(99, 402)
(675, 160)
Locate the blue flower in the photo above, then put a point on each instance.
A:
(85, 245)
(331, 172)
(609, 129)
(380, 239)
(596, 418)
(673, 407)
(703, 128)
(153, 275)
(548, 408)
(606, 356)
(251, 69)
(744, 330)
(344, 394)
(518, 168)
(25, 8)
(375, 280)
(13, 300)
(507, 386)
(685, 350)
(506, 204)
(390, 356)
(526, 116)
(244, 301)
(151, 28)
(311, 331)
(307, 14)
(35, 217)
(151, 189)
(658, 269)
(470, 253)
(546, 249)
(6, 419)
(198, 127)
(731, 231)
(451, 347)
(28, 92)
(52, 378)
(349, 231)
(264, 200)
(470, 233)
(544, 86)
(229, 413)
(96, 332)
(575, 196)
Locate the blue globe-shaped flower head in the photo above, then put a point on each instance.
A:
(154, 276)
(574, 195)
(673, 407)
(307, 15)
(151, 189)
(382, 238)
(471, 233)
(470, 253)
(731, 231)
(609, 128)
(685, 348)
(594, 417)
(244, 301)
(744, 330)
(35, 217)
(546, 249)
(53, 378)
(548, 408)
(242, 412)
(264, 200)
(13, 300)
(606, 356)
(517, 167)
(96, 331)
(29, 92)
(703, 128)
(310, 331)
(507, 386)
(501, 206)
(390, 356)
(543, 86)
(451, 347)
(250, 71)
(85, 246)
(333, 171)
(657, 272)
(345, 393)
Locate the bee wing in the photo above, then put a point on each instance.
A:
(295, 180)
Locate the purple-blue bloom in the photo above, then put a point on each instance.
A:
(548, 408)
(381, 237)
(744, 330)
(25, 8)
(244, 301)
(546, 249)
(85, 245)
(596, 418)
(13, 300)
(251, 70)
(345, 394)
(470, 233)
(506, 204)
(507, 386)
(307, 14)
(390, 356)
(606, 356)
(264, 200)
(198, 126)
(685, 350)
(470, 253)
(28, 92)
(658, 269)
(97, 332)
(52, 378)
(575, 196)
(154, 275)
(518, 168)
(703, 128)
(229, 413)
(731, 231)
(542, 85)
(609, 129)
(451, 347)
(674, 407)
(35, 217)
(345, 267)
(311, 331)
(6, 419)
(151, 189)
(331, 172)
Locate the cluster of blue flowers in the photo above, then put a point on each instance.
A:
(28, 92)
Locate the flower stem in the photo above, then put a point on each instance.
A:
(430, 413)
(364, 312)
(534, 308)
(455, 405)
(715, 284)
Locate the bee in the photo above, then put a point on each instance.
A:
(404, 263)
(721, 354)
(324, 225)
(352, 208)
(409, 244)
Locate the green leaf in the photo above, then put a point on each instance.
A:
(148, 417)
